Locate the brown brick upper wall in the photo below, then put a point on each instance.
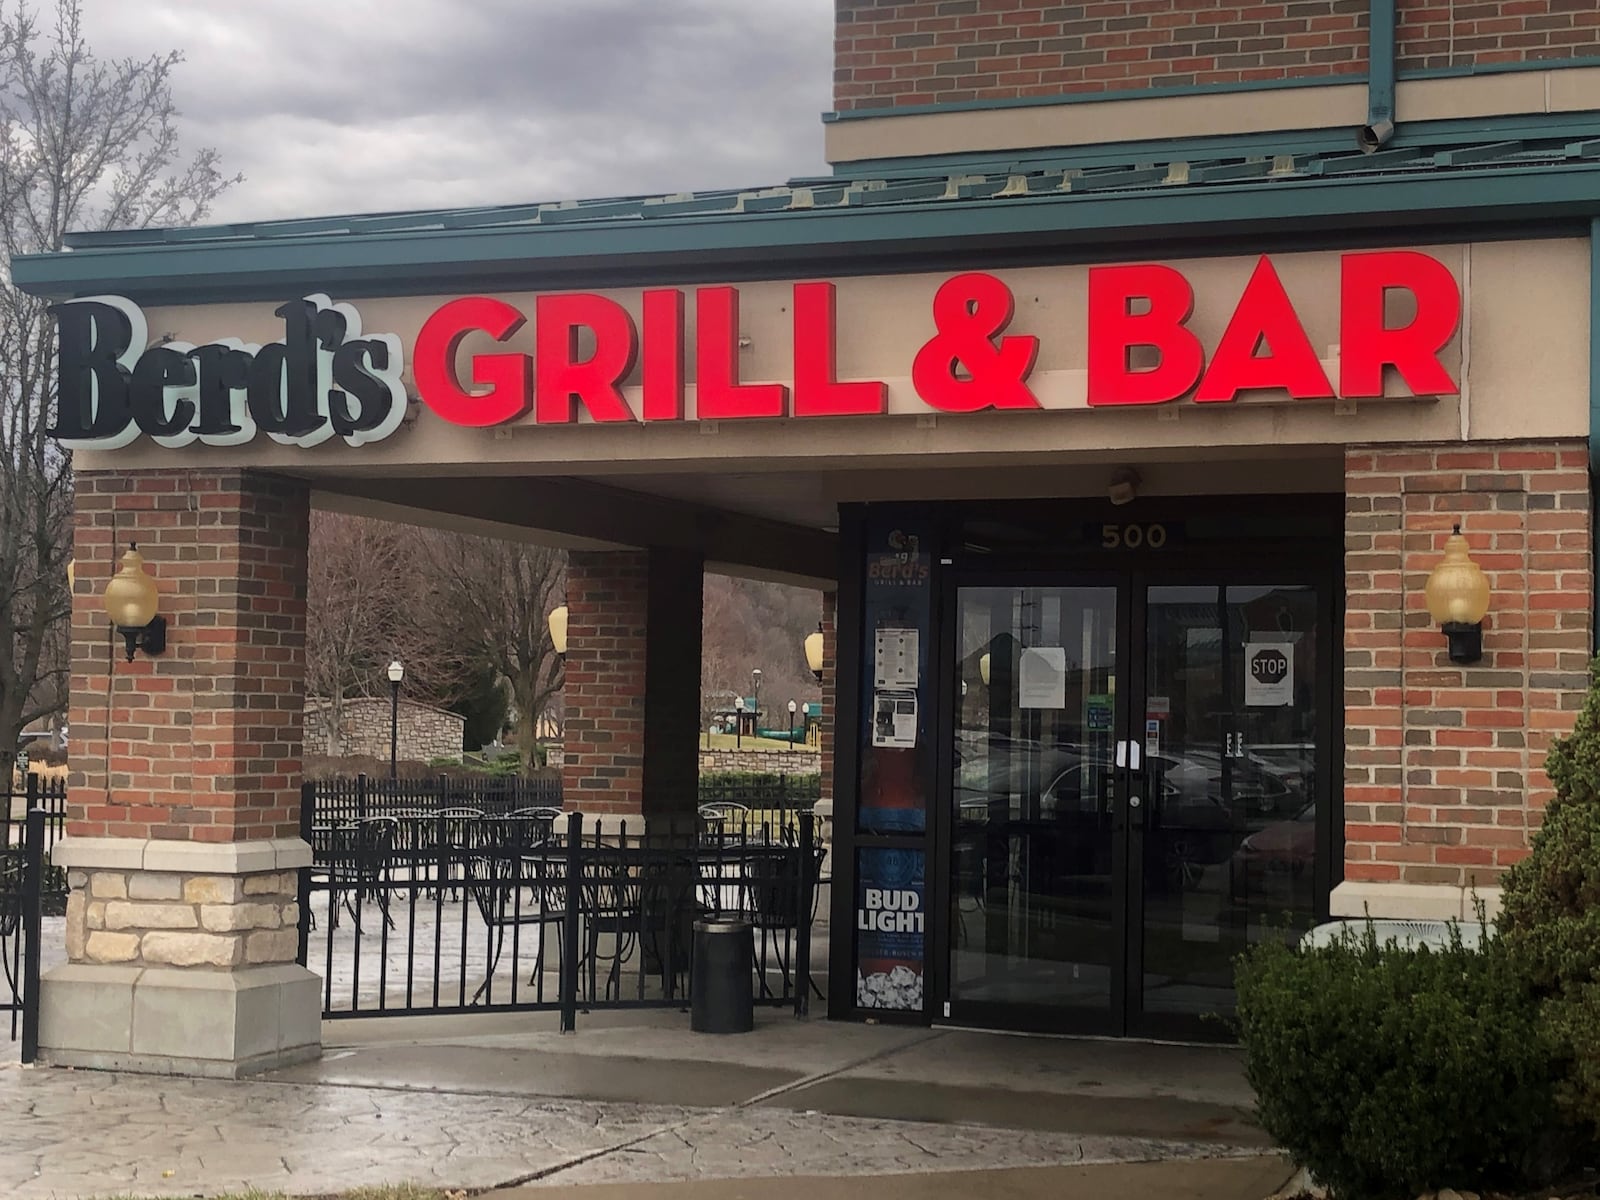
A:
(890, 53)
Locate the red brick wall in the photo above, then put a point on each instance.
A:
(202, 742)
(630, 734)
(1444, 776)
(915, 52)
(604, 694)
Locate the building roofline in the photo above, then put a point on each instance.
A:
(1479, 176)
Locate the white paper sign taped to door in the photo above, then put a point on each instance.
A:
(1268, 674)
(1042, 677)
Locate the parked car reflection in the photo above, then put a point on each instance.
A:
(1275, 862)
(1198, 807)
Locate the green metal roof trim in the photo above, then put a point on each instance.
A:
(1068, 199)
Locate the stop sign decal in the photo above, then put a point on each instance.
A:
(1269, 675)
(1269, 666)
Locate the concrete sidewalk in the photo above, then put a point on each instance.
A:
(1204, 1179)
(635, 1099)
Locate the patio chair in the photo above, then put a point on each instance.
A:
(716, 816)
(508, 858)
(360, 857)
(776, 906)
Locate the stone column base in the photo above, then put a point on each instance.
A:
(180, 959)
(221, 1024)
(1412, 901)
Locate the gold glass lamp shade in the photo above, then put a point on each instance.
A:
(558, 629)
(130, 601)
(814, 652)
(984, 667)
(1458, 598)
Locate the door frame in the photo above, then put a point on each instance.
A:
(993, 1014)
(1131, 574)
(1225, 574)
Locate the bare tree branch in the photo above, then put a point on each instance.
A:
(85, 144)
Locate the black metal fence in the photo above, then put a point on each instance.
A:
(33, 819)
(361, 796)
(353, 798)
(450, 909)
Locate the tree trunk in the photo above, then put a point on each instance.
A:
(527, 735)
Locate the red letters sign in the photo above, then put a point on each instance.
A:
(1398, 309)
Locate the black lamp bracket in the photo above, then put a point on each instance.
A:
(1466, 641)
(151, 638)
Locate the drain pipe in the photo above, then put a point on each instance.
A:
(1380, 77)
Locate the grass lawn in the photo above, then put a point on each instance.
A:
(724, 741)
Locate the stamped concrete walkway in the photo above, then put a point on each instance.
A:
(635, 1099)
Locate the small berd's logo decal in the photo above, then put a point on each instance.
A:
(324, 378)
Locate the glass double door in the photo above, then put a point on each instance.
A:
(1138, 772)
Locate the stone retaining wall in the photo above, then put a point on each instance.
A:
(424, 732)
(762, 762)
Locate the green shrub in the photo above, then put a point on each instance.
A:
(1551, 914)
(1389, 1072)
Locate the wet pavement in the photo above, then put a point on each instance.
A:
(636, 1099)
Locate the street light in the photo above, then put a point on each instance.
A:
(397, 672)
(755, 722)
(792, 709)
(738, 720)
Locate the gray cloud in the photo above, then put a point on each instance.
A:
(372, 105)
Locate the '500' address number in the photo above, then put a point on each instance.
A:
(1133, 537)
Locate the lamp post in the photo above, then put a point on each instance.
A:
(738, 720)
(755, 721)
(397, 672)
(793, 707)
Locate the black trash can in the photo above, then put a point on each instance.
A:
(722, 989)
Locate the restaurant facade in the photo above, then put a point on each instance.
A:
(1122, 388)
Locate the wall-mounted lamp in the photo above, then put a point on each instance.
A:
(130, 602)
(814, 652)
(1458, 598)
(983, 668)
(558, 629)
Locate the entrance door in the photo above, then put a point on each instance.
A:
(1134, 795)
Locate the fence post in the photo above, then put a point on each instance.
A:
(361, 796)
(308, 808)
(802, 956)
(32, 900)
(569, 924)
(31, 791)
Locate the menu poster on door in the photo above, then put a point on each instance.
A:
(895, 739)
(1268, 674)
(890, 928)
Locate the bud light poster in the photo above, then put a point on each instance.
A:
(891, 921)
(896, 743)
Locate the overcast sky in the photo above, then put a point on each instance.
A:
(333, 106)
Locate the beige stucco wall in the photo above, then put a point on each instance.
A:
(1103, 122)
(1521, 355)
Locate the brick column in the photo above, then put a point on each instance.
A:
(1444, 763)
(631, 696)
(830, 679)
(183, 810)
